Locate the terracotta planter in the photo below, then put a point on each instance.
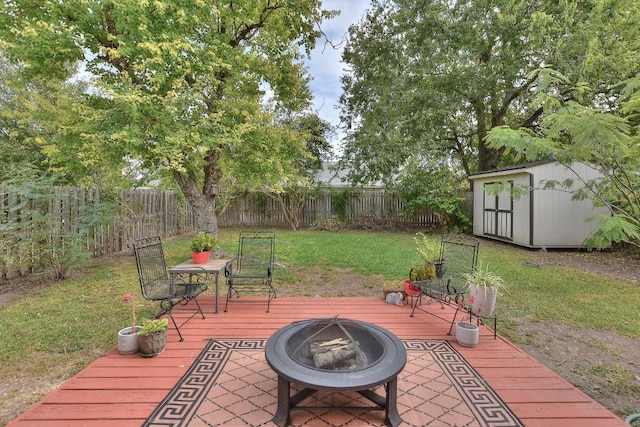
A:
(128, 343)
(467, 334)
(200, 257)
(484, 300)
(410, 291)
(152, 345)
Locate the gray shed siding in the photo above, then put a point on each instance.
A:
(540, 218)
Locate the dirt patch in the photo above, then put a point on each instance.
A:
(602, 364)
(319, 281)
(594, 361)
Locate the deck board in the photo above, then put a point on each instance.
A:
(123, 390)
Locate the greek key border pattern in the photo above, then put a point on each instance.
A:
(183, 401)
(479, 397)
(179, 406)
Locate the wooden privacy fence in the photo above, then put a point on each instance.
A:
(143, 212)
(363, 205)
(96, 220)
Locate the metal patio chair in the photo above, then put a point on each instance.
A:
(157, 284)
(251, 271)
(459, 254)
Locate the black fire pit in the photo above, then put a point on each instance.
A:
(336, 355)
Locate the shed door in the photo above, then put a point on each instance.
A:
(498, 211)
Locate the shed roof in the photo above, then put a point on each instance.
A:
(513, 168)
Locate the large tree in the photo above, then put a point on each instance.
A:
(178, 84)
(430, 78)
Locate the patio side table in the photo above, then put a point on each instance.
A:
(188, 269)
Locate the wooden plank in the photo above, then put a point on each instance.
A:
(107, 396)
(91, 411)
(574, 422)
(85, 423)
(561, 410)
(548, 395)
(546, 383)
(517, 372)
(128, 384)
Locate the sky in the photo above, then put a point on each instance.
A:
(325, 65)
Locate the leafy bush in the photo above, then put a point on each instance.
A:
(46, 225)
(372, 223)
(424, 185)
(328, 224)
(427, 247)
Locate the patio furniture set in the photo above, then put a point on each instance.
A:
(361, 355)
(458, 257)
(251, 271)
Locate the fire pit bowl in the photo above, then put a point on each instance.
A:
(336, 355)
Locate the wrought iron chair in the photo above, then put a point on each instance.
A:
(459, 255)
(157, 284)
(251, 271)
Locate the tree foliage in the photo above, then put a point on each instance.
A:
(178, 84)
(45, 123)
(433, 185)
(605, 137)
(18, 139)
(429, 79)
(292, 192)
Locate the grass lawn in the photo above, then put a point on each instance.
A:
(59, 329)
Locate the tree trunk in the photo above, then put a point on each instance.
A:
(203, 205)
(204, 215)
(488, 158)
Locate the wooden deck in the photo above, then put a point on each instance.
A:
(124, 390)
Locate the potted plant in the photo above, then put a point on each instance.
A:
(390, 286)
(467, 334)
(429, 251)
(422, 272)
(153, 336)
(484, 286)
(128, 342)
(201, 247)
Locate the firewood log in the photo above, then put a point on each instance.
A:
(336, 356)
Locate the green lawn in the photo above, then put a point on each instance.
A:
(62, 327)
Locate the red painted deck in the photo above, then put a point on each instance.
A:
(124, 390)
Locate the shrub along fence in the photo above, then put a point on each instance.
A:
(38, 231)
(52, 228)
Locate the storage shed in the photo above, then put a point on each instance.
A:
(540, 218)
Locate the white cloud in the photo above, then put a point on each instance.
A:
(326, 65)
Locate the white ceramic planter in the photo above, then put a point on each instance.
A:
(484, 300)
(128, 343)
(467, 334)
